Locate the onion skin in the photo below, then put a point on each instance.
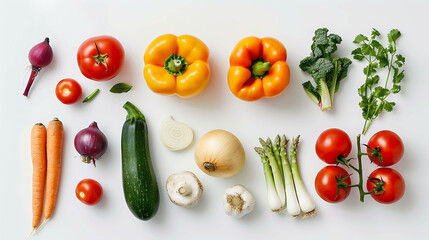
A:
(219, 154)
(90, 143)
(41, 54)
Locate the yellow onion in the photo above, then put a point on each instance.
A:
(219, 154)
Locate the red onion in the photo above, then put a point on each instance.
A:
(90, 143)
(40, 56)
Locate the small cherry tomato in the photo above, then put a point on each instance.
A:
(100, 58)
(68, 91)
(326, 184)
(89, 191)
(331, 144)
(391, 147)
(392, 182)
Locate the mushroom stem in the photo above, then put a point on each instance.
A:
(184, 189)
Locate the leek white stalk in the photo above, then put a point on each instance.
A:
(273, 199)
(175, 135)
(305, 202)
(292, 201)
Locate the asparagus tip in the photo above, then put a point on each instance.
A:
(258, 149)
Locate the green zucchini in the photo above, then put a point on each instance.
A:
(138, 177)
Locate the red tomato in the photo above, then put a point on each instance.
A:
(333, 143)
(103, 63)
(68, 91)
(391, 147)
(89, 191)
(326, 184)
(394, 185)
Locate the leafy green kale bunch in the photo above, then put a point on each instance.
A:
(374, 97)
(326, 70)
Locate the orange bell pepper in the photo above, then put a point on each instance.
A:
(177, 65)
(258, 69)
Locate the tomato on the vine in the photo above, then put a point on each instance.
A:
(89, 191)
(333, 143)
(391, 147)
(100, 58)
(326, 184)
(392, 182)
(68, 91)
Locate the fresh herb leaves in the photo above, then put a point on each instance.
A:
(121, 88)
(326, 70)
(373, 93)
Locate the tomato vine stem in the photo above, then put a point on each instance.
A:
(359, 170)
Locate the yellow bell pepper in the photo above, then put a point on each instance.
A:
(177, 65)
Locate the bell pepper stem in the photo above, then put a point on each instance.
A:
(259, 68)
(175, 64)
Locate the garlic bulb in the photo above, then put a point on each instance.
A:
(238, 201)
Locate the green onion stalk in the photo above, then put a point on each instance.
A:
(273, 198)
(293, 207)
(276, 169)
(284, 185)
(305, 201)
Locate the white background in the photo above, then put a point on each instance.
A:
(220, 24)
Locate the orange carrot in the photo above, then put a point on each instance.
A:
(38, 156)
(54, 152)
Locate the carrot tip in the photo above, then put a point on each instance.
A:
(39, 124)
(41, 225)
(55, 119)
(30, 234)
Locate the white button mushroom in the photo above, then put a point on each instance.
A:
(184, 189)
(238, 201)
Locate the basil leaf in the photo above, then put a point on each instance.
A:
(121, 88)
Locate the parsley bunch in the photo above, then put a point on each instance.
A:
(373, 93)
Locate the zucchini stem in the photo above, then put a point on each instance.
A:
(133, 113)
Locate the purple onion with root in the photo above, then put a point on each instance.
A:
(90, 143)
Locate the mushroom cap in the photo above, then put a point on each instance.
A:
(173, 183)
